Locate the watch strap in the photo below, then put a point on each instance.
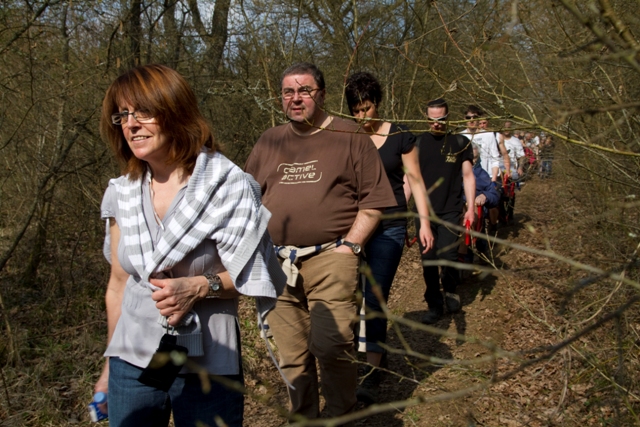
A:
(355, 247)
(215, 285)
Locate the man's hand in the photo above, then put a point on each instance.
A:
(470, 216)
(343, 249)
(176, 297)
(481, 200)
(426, 238)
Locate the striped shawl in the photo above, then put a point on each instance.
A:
(221, 203)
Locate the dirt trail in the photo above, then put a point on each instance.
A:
(506, 308)
(509, 308)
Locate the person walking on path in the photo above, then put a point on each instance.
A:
(503, 159)
(446, 164)
(186, 235)
(486, 141)
(486, 196)
(515, 150)
(326, 187)
(396, 147)
(546, 156)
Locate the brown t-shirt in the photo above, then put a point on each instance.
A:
(314, 185)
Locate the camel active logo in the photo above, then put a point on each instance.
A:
(299, 173)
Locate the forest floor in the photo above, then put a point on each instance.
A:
(449, 381)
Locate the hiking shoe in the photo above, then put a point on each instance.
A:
(431, 316)
(369, 389)
(452, 301)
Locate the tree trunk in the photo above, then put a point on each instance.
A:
(215, 40)
(134, 33)
(30, 272)
(171, 33)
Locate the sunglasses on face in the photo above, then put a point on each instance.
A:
(439, 119)
(470, 117)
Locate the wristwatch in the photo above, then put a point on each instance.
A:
(215, 285)
(355, 247)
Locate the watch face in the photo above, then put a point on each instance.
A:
(355, 248)
(215, 286)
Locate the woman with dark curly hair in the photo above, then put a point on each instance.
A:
(396, 146)
(186, 235)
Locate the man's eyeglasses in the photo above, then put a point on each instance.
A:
(470, 117)
(141, 116)
(303, 92)
(439, 119)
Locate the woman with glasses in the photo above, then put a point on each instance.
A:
(396, 146)
(186, 235)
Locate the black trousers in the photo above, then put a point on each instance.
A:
(446, 242)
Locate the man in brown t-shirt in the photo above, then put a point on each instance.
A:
(325, 186)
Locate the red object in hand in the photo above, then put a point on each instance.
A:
(467, 236)
(478, 223)
(410, 241)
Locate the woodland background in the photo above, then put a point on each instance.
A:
(570, 68)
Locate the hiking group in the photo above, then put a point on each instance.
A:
(188, 232)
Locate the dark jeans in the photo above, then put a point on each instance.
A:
(382, 253)
(446, 242)
(133, 404)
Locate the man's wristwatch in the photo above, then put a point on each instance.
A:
(215, 285)
(355, 248)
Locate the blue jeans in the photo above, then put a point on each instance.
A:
(382, 253)
(133, 404)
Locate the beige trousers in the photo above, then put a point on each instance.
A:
(314, 321)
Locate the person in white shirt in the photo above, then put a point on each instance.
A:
(503, 161)
(516, 156)
(504, 156)
(515, 149)
(486, 142)
(532, 141)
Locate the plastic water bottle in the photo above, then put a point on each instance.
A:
(94, 412)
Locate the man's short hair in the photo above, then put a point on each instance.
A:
(362, 87)
(438, 103)
(475, 110)
(300, 68)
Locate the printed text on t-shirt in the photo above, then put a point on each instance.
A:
(299, 173)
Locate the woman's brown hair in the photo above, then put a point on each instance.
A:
(167, 96)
